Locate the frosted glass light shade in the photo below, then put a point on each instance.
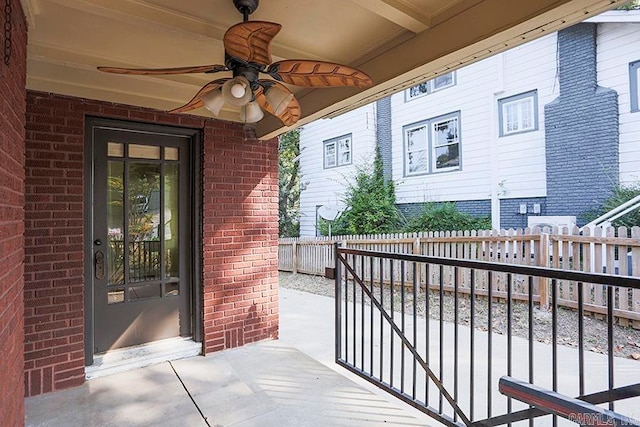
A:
(278, 99)
(213, 101)
(251, 113)
(237, 91)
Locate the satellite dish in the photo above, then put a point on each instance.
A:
(328, 212)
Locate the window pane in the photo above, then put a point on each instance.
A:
(445, 132)
(171, 248)
(330, 155)
(144, 151)
(418, 161)
(442, 82)
(171, 289)
(417, 139)
(344, 151)
(115, 222)
(419, 90)
(144, 220)
(526, 110)
(115, 296)
(136, 293)
(115, 149)
(447, 156)
(511, 117)
(171, 153)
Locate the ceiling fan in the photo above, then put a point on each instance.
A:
(247, 56)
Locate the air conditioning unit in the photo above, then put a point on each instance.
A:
(551, 221)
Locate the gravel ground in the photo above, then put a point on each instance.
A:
(626, 339)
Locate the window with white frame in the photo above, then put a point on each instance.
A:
(433, 145)
(337, 151)
(518, 113)
(446, 144)
(634, 76)
(438, 83)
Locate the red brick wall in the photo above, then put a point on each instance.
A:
(12, 118)
(240, 234)
(240, 240)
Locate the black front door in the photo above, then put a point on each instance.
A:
(140, 246)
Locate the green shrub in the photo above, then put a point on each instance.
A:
(370, 204)
(445, 217)
(619, 195)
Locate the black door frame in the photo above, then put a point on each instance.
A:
(195, 165)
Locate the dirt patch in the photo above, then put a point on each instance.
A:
(626, 340)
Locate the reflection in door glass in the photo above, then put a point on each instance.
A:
(171, 183)
(143, 193)
(115, 222)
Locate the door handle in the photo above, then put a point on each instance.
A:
(99, 265)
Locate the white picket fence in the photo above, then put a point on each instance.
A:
(609, 250)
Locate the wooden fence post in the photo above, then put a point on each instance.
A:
(294, 257)
(543, 261)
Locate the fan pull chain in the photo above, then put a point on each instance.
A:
(7, 32)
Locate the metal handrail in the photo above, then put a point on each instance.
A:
(355, 280)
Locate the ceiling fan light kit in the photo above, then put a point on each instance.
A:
(278, 99)
(237, 91)
(213, 101)
(251, 113)
(247, 56)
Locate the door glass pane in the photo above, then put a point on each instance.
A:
(136, 293)
(171, 153)
(172, 256)
(115, 295)
(144, 151)
(115, 222)
(115, 149)
(144, 221)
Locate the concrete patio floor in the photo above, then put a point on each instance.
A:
(290, 382)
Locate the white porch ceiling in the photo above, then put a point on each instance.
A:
(397, 42)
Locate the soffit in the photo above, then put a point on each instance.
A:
(398, 42)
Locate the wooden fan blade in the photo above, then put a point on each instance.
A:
(196, 102)
(160, 71)
(302, 72)
(250, 41)
(290, 115)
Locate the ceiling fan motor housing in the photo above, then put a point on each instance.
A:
(246, 6)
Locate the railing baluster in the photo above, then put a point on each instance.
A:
(455, 337)
(441, 337)
(415, 324)
(353, 282)
(509, 336)
(427, 316)
(554, 339)
(381, 319)
(402, 327)
(337, 300)
(610, 307)
(371, 318)
(391, 292)
(531, 330)
(362, 311)
(581, 338)
(472, 341)
(489, 340)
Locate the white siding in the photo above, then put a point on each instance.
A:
(326, 186)
(516, 161)
(618, 45)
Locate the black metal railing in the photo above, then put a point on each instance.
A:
(402, 324)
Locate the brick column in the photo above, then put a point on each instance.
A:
(12, 119)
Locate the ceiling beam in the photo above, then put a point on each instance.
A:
(398, 12)
(489, 27)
